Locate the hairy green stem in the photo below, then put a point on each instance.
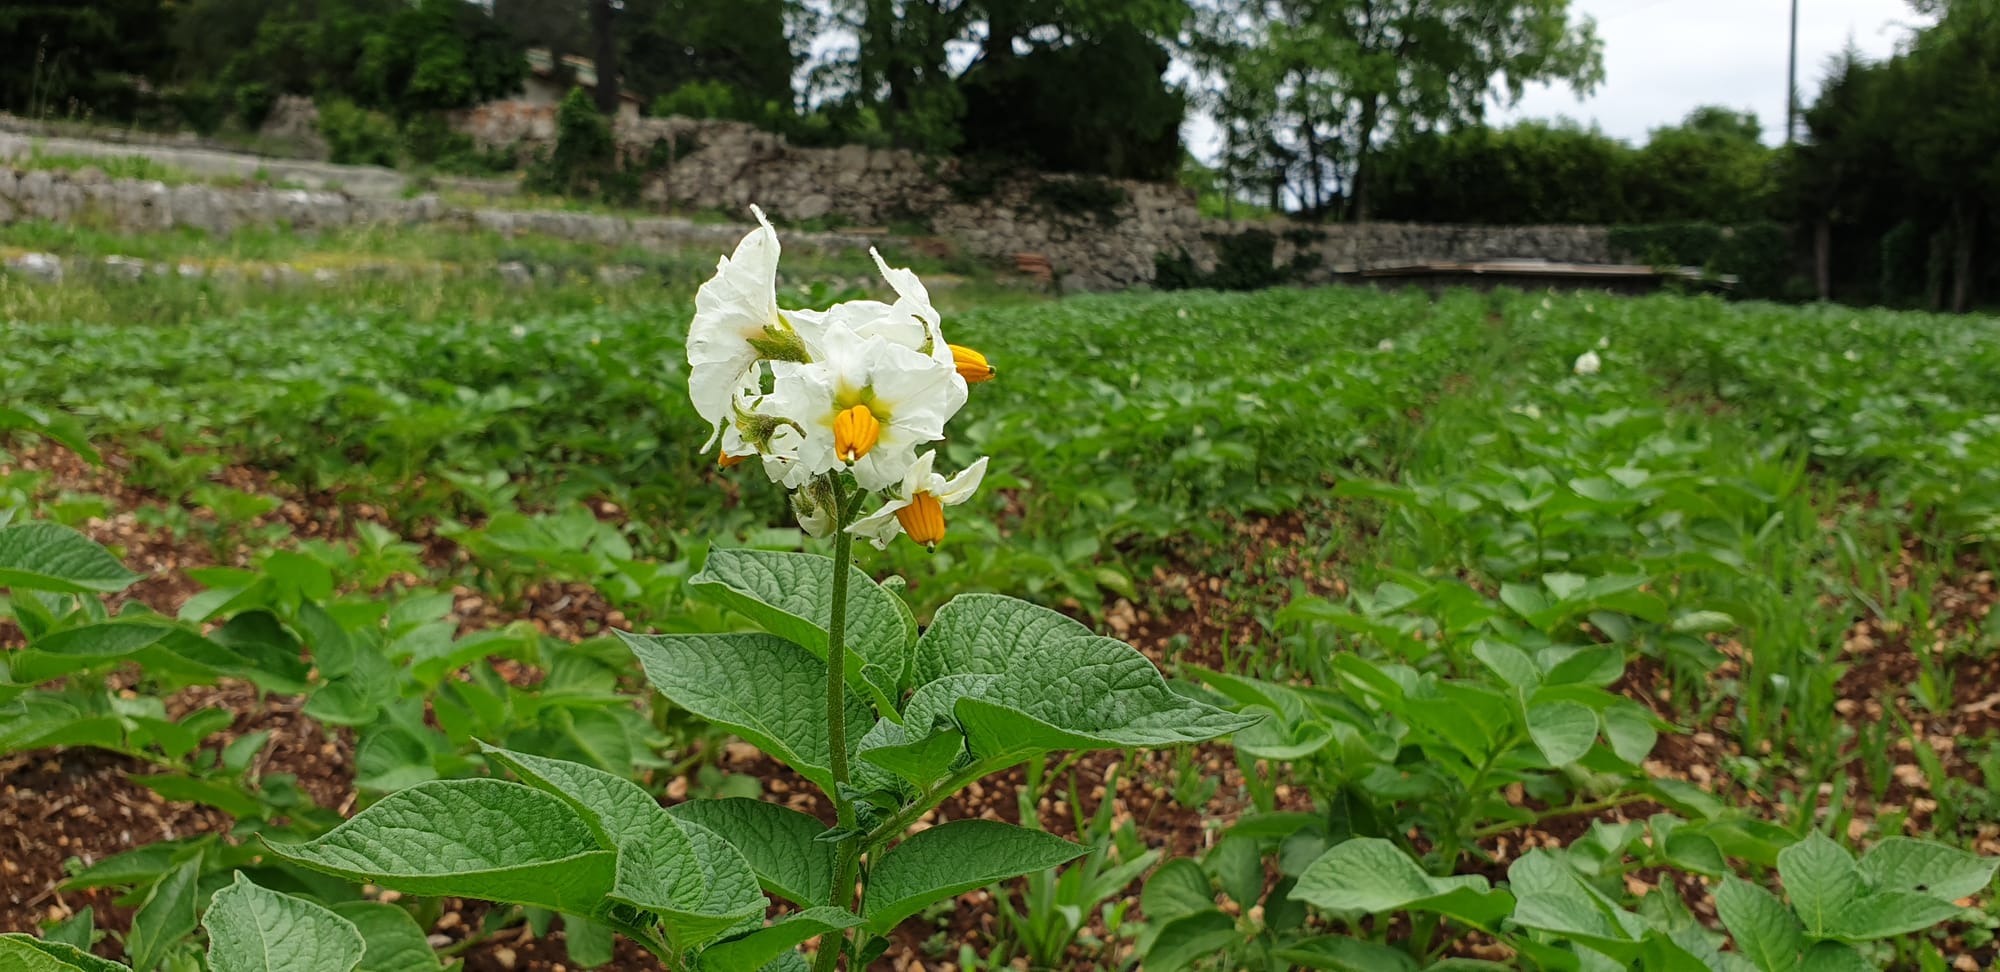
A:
(831, 944)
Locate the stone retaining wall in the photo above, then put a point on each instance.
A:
(1093, 234)
(722, 165)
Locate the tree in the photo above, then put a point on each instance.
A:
(61, 56)
(436, 55)
(1712, 167)
(745, 46)
(604, 48)
(1345, 74)
(1078, 86)
(1099, 106)
(1900, 165)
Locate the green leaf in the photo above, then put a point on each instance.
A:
(1764, 929)
(758, 686)
(79, 929)
(254, 929)
(85, 647)
(1695, 852)
(1549, 896)
(588, 943)
(782, 845)
(1510, 663)
(1886, 914)
(392, 757)
(1238, 868)
(1835, 957)
(396, 943)
(23, 953)
(486, 839)
(953, 858)
(1820, 877)
(1372, 875)
(226, 797)
(137, 866)
(791, 596)
(683, 871)
(1022, 679)
(1629, 729)
(52, 557)
(753, 951)
(921, 764)
(1563, 731)
(1343, 954)
(1189, 939)
(166, 917)
(1922, 867)
(1179, 888)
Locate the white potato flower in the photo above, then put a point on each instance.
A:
(737, 322)
(866, 406)
(916, 507)
(1588, 363)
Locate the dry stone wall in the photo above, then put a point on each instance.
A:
(1089, 234)
(726, 166)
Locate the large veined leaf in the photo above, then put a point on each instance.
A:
(1821, 878)
(953, 858)
(753, 951)
(759, 686)
(1563, 731)
(791, 595)
(1922, 867)
(84, 647)
(695, 879)
(396, 943)
(53, 557)
(1764, 929)
(22, 953)
(1372, 875)
(487, 839)
(255, 929)
(921, 762)
(1550, 897)
(1022, 679)
(781, 844)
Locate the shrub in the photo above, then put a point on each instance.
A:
(1243, 261)
(199, 108)
(585, 159)
(355, 135)
(698, 99)
(254, 102)
(1761, 255)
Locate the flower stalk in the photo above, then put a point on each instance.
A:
(844, 508)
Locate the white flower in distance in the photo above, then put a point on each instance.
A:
(1588, 363)
(917, 507)
(737, 322)
(866, 406)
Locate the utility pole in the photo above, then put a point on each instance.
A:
(1792, 79)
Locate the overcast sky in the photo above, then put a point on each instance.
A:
(1663, 58)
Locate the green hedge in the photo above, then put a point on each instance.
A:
(1763, 256)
